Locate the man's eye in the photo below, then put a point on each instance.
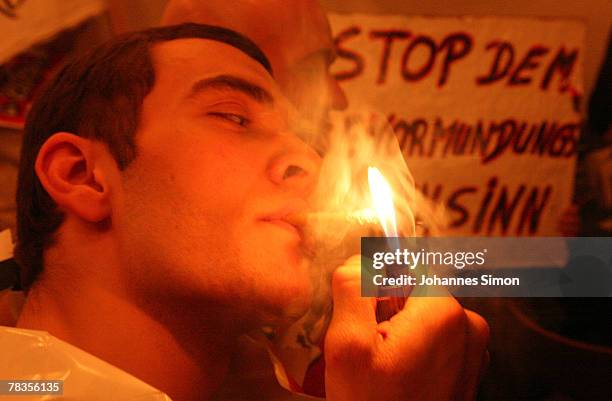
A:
(235, 118)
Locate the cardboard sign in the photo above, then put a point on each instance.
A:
(486, 110)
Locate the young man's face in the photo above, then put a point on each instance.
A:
(201, 208)
(296, 37)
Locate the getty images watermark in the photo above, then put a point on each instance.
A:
(487, 266)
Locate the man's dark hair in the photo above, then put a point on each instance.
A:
(97, 96)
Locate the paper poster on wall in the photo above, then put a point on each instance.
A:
(486, 110)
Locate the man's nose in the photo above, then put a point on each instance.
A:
(296, 169)
(338, 97)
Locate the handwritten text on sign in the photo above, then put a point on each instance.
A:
(485, 110)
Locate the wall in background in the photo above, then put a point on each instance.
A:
(135, 14)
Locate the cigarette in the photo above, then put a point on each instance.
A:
(362, 217)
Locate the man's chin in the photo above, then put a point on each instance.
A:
(298, 308)
(290, 306)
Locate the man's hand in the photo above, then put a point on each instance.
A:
(432, 350)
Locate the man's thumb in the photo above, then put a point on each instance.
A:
(350, 308)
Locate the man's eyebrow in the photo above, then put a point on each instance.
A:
(231, 82)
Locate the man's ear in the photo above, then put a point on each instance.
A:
(67, 168)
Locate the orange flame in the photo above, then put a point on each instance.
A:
(382, 200)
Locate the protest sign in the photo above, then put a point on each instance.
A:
(486, 110)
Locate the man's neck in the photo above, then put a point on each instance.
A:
(180, 352)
